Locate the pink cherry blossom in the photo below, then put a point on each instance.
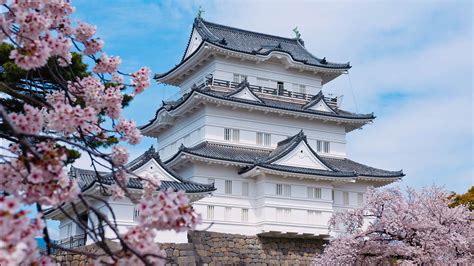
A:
(30, 122)
(143, 241)
(32, 24)
(119, 155)
(112, 101)
(67, 119)
(84, 31)
(393, 227)
(43, 180)
(107, 64)
(129, 131)
(60, 46)
(32, 55)
(141, 79)
(93, 46)
(167, 210)
(17, 236)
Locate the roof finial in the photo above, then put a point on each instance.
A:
(200, 11)
(297, 33)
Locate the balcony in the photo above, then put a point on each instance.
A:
(72, 241)
(278, 93)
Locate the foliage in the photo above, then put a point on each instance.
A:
(397, 228)
(54, 110)
(466, 199)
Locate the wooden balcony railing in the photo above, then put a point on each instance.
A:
(265, 90)
(73, 241)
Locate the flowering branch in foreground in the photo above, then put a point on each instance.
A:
(397, 228)
(51, 111)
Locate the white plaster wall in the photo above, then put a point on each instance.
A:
(280, 128)
(263, 202)
(226, 68)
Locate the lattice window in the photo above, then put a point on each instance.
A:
(231, 134)
(327, 147)
(245, 215)
(319, 146)
(228, 187)
(136, 213)
(314, 193)
(279, 189)
(210, 212)
(264, 139)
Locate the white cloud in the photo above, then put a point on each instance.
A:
(421, 51)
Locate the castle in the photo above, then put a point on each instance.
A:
(253, 141)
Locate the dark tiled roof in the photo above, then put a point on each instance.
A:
(258, 157)
(282, 105)
(87, 178)
(226, 152)
(255, 43)
(302, 170)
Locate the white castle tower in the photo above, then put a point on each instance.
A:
(253, 121)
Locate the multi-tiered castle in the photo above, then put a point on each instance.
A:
(252, 140)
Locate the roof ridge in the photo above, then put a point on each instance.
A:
(248, 31)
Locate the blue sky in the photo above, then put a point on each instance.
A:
(412, 66)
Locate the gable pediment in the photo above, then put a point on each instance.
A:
(194, 42)
(302, 156)
(153, 168)
(246, 94)
(321, 106)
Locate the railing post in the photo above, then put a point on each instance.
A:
(70, 242)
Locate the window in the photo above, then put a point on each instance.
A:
(283, 214)
(326, 147)
(332, 195)
(280, 87)
(228, 187)
(227, 213)
(314, 193)
(263, 139)
(299, 88)
(239, 78)
(345, 197)
(279, 189)
(231, 134)
(245, 188)
(314, 217)
(136, 213)
(211, 181)
(319, 145)
(210, 212)
(360, 199)
(283, 190)
(245, 215)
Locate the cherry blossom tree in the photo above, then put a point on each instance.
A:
(51, 113)
(393, 227)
